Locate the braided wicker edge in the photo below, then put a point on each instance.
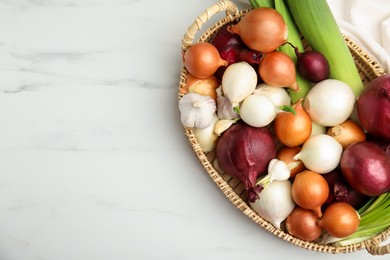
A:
(369, 69)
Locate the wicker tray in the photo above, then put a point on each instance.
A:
(233, 189)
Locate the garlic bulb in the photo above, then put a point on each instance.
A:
(275, 203)
(225, 109)
(196, 110)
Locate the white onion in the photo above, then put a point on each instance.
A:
(257, 110)
(279, 96)
(320, 153)
(238, 81)
(329, 102)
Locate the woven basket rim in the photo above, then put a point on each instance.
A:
(368, 66)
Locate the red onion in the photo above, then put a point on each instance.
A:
(244, 152)
(224, 38)
(366, 168)
(312, 65)
(384, 144)
(341, 191)
(373, 107)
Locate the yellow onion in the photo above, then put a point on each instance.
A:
(340, 220)
(310, 190)
(302, 223)
(277, 69)
(206, 87)
(293, 129)
(262, 29)
(347, 133)
(202, 60)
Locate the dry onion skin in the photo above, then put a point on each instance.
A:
(340, 220)
(277, 69)
(202, 60)
(262, 29)
(293, 130)
(302, 223)
(310, 190)
(347, 133)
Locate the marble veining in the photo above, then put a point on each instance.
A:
(93, 160)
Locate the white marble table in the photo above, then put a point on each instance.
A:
(93, 161)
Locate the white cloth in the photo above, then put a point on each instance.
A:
(368, 24)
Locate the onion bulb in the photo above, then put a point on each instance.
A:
(310, 190)
(293, 129)
(257, 110)
(279, 96)
(244, 152)
(329, 102)
(366, 168)
(239, 81)
(262, 29)
(286, 154)
(302, 223)
(373, 107)
(320, 153)
(202, 60)
(340, 220)
(347, 133)
(278, 69)
(206, 87)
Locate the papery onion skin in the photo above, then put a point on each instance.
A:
(262, 29)
(347, 133)
(293, 130)
(312, 65)
(302, 223)
(277, 69)
(202, 60)
(340, 220)
(366, 168)
(244, 152)
(205, 87)
(373, 106)
(310, 190)
(224, 38)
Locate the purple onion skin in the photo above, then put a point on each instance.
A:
(340, 191)
(313, 66)
(373, 107)
(224, 38)
(366, 168)
(244, 152)
(384, 144)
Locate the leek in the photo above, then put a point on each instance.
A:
(317, 24)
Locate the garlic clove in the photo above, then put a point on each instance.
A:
(223, 124)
